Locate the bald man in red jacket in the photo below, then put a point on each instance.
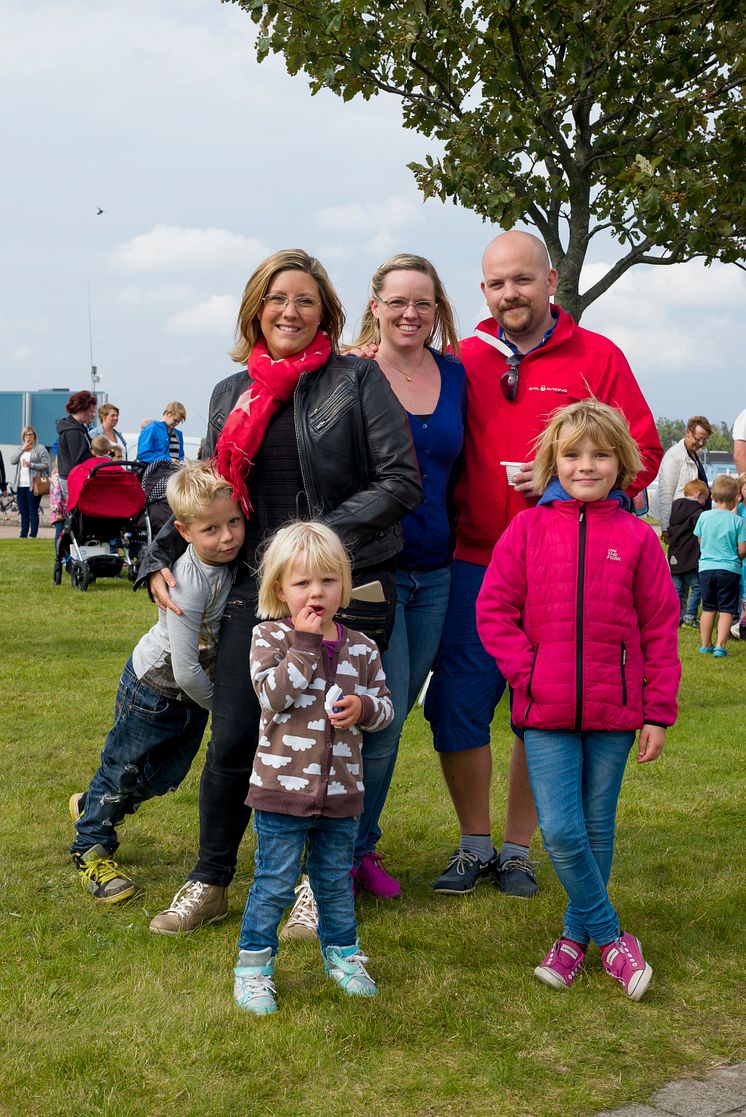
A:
(522, 363)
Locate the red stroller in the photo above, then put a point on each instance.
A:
(100, 535)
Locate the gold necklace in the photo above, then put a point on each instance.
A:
(406, 375)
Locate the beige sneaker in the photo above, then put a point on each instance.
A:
(303, 920)
(193, 905)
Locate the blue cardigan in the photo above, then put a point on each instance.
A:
(438, 440)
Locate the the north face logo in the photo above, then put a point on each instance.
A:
(613, 555)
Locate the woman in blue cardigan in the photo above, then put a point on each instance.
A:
(410, 320)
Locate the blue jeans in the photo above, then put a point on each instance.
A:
(281, 840)
(28, 506)
(687, 587)
(147, 752)
(575, 779)
(422, 600)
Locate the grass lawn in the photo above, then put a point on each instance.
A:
(101, 1017)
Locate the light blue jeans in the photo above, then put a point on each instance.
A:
(421, 603)
(281, 840)
(576, 779)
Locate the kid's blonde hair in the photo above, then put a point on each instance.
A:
(606, 427)
(725, 489)
(193, 487)
(308, 546)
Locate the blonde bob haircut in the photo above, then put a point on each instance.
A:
(606, 428)
(443, 335)
(248, 328)
(29, 430)
(106, 409)
(307, 546)
(176, 409)
(193, 487)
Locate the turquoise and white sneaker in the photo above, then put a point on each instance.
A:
(254, 989)
(346, 966)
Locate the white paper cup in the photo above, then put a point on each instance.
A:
(511, 468)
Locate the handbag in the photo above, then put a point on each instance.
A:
(40, 484)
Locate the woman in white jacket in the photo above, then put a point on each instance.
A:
(681, 464)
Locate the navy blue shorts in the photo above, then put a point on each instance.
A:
(720, 591)
(466, 685)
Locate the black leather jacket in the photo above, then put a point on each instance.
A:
(357, 458)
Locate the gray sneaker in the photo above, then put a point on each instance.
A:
(194, 905)
(100, 875)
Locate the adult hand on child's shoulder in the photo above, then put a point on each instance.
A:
(159, 584)
(651, 742)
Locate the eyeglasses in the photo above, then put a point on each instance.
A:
(301, 302)
(509, 379)
(398, 306)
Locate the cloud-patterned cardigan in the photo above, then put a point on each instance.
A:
(303, 765)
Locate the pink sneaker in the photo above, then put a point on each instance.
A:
(370, 876)
(623, 961)
(562, 964)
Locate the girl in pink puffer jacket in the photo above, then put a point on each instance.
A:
(579, 611)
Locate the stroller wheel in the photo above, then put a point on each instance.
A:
(80, 576)
(57, 573)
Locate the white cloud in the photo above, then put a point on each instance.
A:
(176, 248)
(370, 228)
(170, 293)
(215, 316)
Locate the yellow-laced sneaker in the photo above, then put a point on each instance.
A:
(100, 875)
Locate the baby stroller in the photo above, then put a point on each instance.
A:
(100, 536)
(154, 480)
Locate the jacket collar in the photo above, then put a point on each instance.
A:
(555, 493)
(488, 329)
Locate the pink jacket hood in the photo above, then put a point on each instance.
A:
(579, 611)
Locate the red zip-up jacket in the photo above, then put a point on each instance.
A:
(579, 611)
(571, 365)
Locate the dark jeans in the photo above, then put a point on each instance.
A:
(223, 815)
(687, 587)
(28, 506)
(147, 752)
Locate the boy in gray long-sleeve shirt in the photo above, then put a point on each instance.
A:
(165, 692)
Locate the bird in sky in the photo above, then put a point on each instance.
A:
(100, 211)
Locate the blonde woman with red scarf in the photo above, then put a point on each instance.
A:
(301, 433)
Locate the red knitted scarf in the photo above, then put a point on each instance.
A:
(273, 382)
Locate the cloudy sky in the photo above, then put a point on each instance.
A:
(205, 162)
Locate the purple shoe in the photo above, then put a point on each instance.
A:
(562, 964)
(623, 961)
(370, 876)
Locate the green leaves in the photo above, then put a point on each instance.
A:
(621, 114)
